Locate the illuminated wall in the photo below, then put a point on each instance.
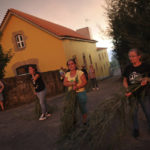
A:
(40, 47)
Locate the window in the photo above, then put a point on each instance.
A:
(99, 56)
(20, 41)
(75, 58)
(102, 55)
(96, 66)
(90, 59)
(102, 69)
(84, 60)
(24, 69)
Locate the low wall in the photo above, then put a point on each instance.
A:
(19, 90)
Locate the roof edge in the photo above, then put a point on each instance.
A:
(9, 13)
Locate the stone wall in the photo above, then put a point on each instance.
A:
(19, 90)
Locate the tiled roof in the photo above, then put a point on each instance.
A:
(58, 30)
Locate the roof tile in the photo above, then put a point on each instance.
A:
(56, 29)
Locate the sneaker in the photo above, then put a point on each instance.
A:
(135, 133)
(42, 117)
(48, 114)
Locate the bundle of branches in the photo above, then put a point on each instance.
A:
(107, 124)
(68, 118)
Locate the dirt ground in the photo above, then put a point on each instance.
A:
(20, 130)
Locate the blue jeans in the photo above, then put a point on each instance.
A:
(82, 99)
(145, 104)
(42, 98)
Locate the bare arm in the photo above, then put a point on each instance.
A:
(145, 81)
(83, 83)
(35, 77)
(68, 83)
(125, 83)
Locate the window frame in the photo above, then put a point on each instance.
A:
(16, 43)
(26, 69)
(90, 58)
(20, 41)
(84, 60)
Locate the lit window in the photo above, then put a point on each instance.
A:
(20, 41)
(90, 59)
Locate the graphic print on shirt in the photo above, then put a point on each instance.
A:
(35, 84)
(135, 78)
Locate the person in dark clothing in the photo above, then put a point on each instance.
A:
(137, 73)
(85, 72)
(40, 91)
(92, 77)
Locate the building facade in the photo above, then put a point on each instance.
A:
(104, 65)
(34, 41)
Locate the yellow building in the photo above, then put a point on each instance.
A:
(104, 67)
(44, 44)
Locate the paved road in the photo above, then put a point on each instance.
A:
(20, 130)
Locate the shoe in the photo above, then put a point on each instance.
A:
(135, 133)
(97, 89)
(42, 117)
(47, 114)
(93, 89)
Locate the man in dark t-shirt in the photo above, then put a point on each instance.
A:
(137, 73)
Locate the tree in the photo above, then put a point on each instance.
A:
(129, 23)
(4, 59)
